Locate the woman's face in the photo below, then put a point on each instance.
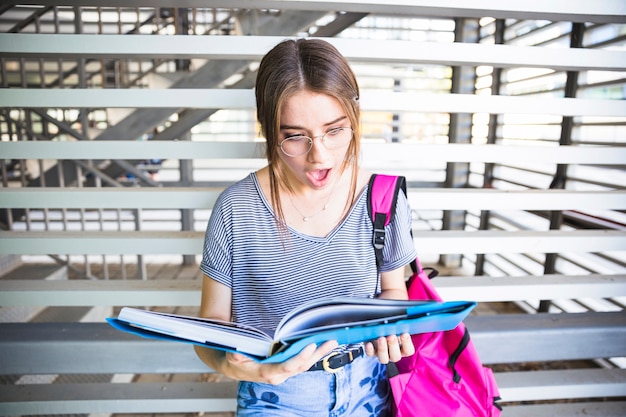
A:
(312, 114)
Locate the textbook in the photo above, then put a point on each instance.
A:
(344, 319)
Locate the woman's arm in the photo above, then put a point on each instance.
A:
(216, 303)
(392, 348)
(393, 285)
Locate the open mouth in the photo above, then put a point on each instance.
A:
(319, 177)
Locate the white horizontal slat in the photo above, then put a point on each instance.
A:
(466, 103)
(125, 398)
(100, 293)
(187, 292)
(600, 11)
(370, 100)
(490, 199)
(109, 198)
(577, 409)
(373, 153)
(62, 348)
(129, 98)
(131, 149)
(189, 397)
(546, 287)
(431, 242)
(562, 384)
(204, 198)
(396, 152)
(254, 47)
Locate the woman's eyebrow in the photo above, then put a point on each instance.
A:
(297, 127)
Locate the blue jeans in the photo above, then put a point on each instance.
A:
(358, 389)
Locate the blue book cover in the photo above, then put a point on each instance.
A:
(344, 319)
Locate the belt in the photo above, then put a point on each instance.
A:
(337, 360)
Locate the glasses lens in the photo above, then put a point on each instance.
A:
(337, 138)
(296, 145)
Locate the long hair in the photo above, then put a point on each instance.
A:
(304, 64)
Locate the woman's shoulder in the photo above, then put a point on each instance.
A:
(246, 182)
(242, 189)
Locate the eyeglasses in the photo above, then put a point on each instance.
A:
(299, 145)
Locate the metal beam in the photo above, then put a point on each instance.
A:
(463, 81)
(560, 176)
(209, 75)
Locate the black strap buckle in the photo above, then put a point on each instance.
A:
(378, 240)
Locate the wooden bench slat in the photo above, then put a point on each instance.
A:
(204, 198)
(100, 293)
(548, 337)
(187, 292)
(177, 242)
(545, 287)
(586, 409)
(562, 384)
(199, 396)
(90, 348)
(145, 397)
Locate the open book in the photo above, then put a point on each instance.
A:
(345, 319)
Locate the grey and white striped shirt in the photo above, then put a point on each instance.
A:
(269, 276)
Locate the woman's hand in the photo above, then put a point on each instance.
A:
(391, 348)
(241, 367)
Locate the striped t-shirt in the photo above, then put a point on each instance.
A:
(269, 276)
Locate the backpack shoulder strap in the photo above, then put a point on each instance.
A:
(382, 195)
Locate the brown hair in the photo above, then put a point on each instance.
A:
(296, 65)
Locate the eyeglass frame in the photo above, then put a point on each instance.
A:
(312, 138)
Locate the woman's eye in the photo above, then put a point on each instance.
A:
(296, 137)
(335, 131)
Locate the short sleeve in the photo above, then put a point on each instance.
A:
(399, 249)
(217, 250)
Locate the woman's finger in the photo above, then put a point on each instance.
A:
(406, 345)
(382, 350)
(393, 347)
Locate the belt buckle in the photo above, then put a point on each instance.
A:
(326, 363)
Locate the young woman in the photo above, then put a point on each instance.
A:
(298, 229)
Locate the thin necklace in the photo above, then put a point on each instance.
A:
(307, 218)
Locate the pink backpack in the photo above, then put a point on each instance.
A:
(445, 376)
